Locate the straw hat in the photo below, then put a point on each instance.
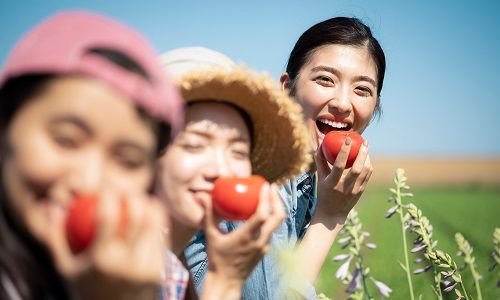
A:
(280, 148)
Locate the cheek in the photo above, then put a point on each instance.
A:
(36, 161)
(311, 100)
(130, 181)
(241, 168)
(363, 113)
(178, 169)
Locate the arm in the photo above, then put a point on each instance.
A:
(232, 256)
(338, 190)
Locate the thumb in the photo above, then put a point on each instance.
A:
(210, 220)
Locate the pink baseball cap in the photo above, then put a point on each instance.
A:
(63, 44)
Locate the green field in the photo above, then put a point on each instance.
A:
(474, 211)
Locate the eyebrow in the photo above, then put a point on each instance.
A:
(73, 120)
(136, 147)
(207, 135)
(337, 73)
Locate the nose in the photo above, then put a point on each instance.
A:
(217, 165)
(341, 104)
(88, 173)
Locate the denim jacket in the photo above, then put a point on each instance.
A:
(265, 280)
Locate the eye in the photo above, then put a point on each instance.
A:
(241, 151)
(67, 137)
(324, 80)
(66, 141)
(68, 132)
(192, 147)
(363, 91)
(131, 163)
(131, 157)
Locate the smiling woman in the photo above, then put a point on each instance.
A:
(336, 72)
(72, 126)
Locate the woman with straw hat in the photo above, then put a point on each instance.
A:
(237, 123)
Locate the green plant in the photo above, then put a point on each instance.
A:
(397, 194)
(465, 250)
(353, 238)
(496, 253)
(445, 269)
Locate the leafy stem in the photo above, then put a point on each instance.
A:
(397, 196)
(465, 250)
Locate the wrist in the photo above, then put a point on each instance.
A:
(221, 287)
(330, 221)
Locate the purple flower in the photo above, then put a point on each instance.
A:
(418, 248)
(383, 289)
(391, 211)
(343, 270)
(450, 287)
(344, 240)
(340, 257)
(355, 283)
(422, 270)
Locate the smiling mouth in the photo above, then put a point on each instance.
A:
(197, 194)
(325, 126)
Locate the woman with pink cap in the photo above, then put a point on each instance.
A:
(84, 112)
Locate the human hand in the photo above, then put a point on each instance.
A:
(125, 259)
(339, 189)
(232, 256)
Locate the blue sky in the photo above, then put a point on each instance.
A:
(443, 57)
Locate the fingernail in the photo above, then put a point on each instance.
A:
(348, 141)
(365, 143)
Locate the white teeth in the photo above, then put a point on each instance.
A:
(333, 124)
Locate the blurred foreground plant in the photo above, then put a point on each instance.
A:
(353, 238)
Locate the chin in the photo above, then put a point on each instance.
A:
(194, 219)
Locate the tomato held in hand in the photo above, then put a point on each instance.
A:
(334, 140)
(82, 219)
(236, 198)
(81, 222)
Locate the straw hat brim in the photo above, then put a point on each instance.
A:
(280, 148)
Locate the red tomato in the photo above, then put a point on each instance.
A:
(334, 140)
(236, 198)
(81, 222)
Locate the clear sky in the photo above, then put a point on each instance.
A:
(440, 92)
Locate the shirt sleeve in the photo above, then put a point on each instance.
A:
(175, 279)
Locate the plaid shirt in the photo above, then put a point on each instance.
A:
(176, 279)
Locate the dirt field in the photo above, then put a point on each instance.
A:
(438, 170)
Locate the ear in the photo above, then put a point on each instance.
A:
(285, 81)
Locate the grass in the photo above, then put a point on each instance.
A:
(474, 211)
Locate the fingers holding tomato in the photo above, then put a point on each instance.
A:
(86, 219)
(335, 141)
(342, 181)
